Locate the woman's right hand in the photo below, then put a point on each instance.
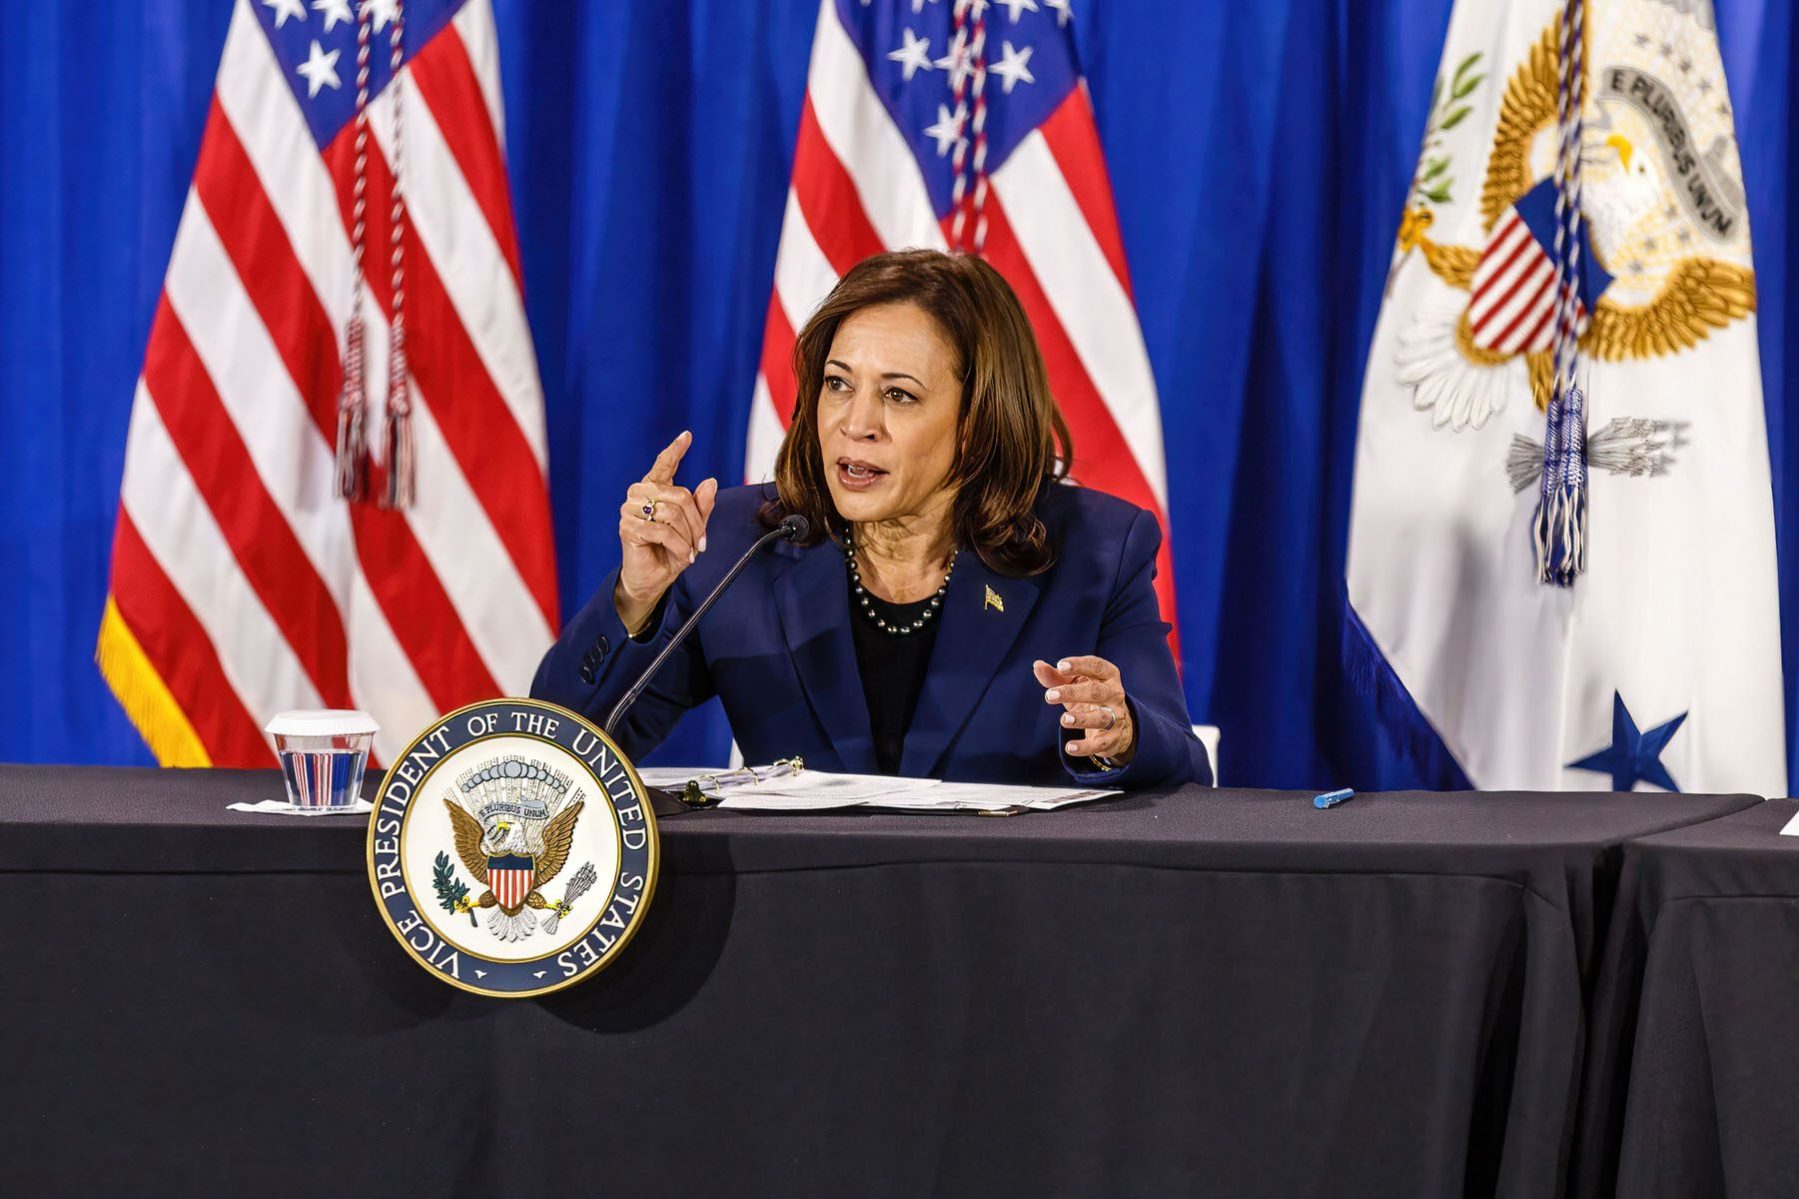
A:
(664, 541)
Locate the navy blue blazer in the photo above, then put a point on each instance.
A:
(777, 650)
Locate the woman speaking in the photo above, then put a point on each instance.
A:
(955, 610)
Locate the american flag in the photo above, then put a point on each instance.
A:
(241, 583)
(966, 125)
(1513, 300)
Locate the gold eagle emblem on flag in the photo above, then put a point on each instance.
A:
(1662, 198)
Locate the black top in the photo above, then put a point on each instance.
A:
(893, 670)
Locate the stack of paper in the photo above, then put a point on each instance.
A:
(818, 791)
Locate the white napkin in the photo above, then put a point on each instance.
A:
(280, 807)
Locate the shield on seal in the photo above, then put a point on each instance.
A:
(510, 878)
(1514, 299)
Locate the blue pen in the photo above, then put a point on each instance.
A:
(1331, 799)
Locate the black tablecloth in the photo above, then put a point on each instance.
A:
(1694, 1089)
(1205, 992)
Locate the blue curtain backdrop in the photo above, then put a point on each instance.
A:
(1259, 154)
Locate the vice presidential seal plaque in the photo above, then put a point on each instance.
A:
(512, 849)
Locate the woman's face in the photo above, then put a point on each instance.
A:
(887, 413)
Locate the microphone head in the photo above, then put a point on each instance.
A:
(794, 527)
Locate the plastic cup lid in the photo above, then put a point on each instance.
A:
(321, 722)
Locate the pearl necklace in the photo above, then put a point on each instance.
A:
(896, 628)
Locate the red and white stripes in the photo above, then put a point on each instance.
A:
(510, 884)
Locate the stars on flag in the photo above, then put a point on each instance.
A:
(1633, 754)
(381, 11)
(970, 53)
(283, 9)
(914, 56)
(1012, 66)
(334, 11)
(948, 129)
(959, 62)
(319, 69)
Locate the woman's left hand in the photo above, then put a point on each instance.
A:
(1091, 694)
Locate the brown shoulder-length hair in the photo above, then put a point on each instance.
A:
(1011, 439)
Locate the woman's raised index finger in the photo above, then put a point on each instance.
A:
(663, 469)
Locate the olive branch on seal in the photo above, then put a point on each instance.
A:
(452, 892)
(1432, 180)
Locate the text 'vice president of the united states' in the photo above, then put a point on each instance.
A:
(957, 609)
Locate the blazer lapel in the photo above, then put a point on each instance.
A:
(812, 598)
(983, 613)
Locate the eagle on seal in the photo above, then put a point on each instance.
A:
(530, 853)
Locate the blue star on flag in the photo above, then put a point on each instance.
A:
(1633, 755)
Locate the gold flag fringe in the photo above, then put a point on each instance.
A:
(164, 727)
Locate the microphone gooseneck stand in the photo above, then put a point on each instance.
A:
(792, 528)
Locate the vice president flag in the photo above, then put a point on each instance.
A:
(966, 126)
(243, 583)
(1575, 246)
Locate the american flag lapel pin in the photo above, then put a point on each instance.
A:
(993, 601)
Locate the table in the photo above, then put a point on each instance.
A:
(1200, 992)
(1696, 1016)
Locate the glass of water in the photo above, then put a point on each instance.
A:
(324, 753)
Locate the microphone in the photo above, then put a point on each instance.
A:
(793, 527)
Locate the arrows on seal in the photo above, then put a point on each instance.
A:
(577, 887)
